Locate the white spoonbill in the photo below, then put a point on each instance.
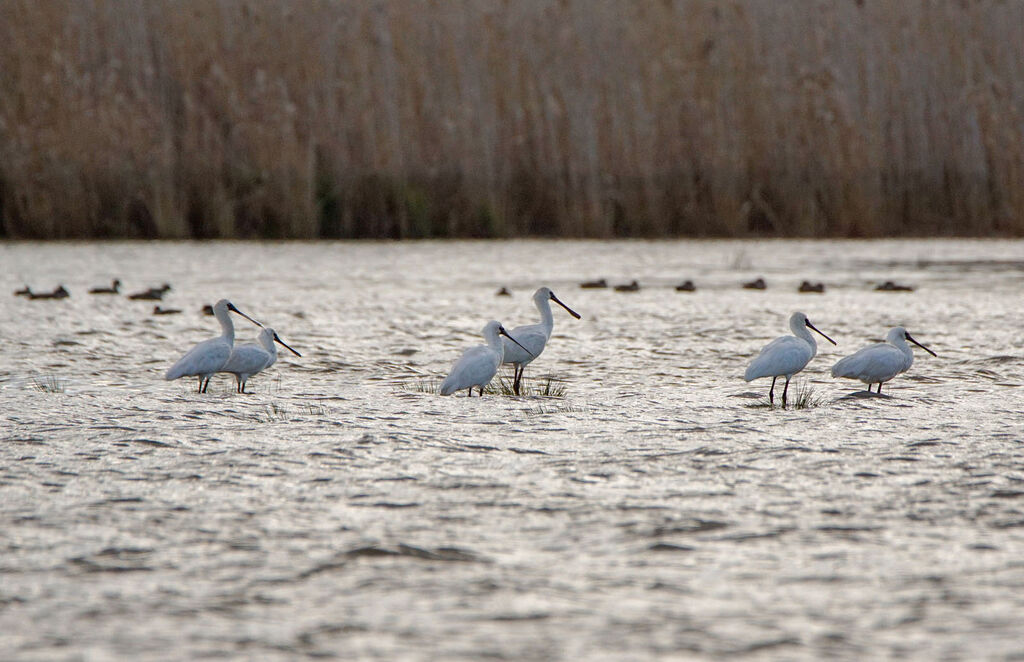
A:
(210, 355)
(478, 365)
(786, 355)
(250, 359)
(880, 362)
(533, 337)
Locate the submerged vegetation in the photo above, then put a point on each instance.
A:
(48, 384)
(801, 396)
(277, 413)
(428, 118)
(545, 387)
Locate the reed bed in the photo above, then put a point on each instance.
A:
(570, 118)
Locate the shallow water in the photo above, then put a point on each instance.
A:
(659, 510)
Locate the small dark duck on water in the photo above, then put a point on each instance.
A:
(59, 293)
(115, 288)
(807, 287)
(889, 286)
(152, 294)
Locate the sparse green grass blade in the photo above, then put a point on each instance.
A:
(431, 385)
(801, 396)
(273, 413)
(48, 384)
(546, 387)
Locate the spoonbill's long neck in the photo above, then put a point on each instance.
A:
(227, 329)
(493, 339)
(267, 341)
(546, 318)
(801, 331)
(900, 342)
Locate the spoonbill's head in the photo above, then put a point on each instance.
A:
(268, 337)
(895, 335)
(494, 328)
(545, 293)
(799, 320)
(901, 333)
(221, 308)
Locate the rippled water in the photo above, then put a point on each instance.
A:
(657, 510)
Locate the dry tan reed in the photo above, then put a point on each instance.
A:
(418, 118)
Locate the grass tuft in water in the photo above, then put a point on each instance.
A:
(543, 410)
(545, 387)
(49, 384)
(805, 397)
(801, 396)
(431, 385)
(273, 413)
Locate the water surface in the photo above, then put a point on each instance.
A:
(657, 511)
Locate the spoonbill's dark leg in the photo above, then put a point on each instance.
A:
(200, 384)
(241, 386)
(771, 391)
(879, 388)
(784, 391)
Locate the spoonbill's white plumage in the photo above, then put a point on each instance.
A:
(878, 363)
(786, 355)
(209, 356)
(477, 365)
(250, 359)
(532, 337)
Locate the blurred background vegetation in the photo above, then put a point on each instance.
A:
(502, 118)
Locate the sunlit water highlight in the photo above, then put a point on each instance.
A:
(658, 510)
